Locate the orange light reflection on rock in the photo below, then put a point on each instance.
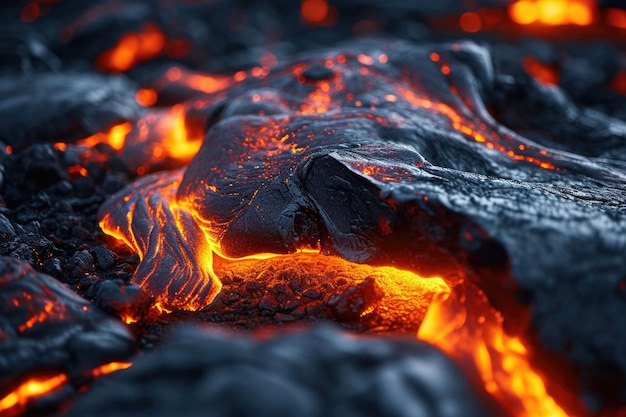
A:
(619, 82)
(467, 127)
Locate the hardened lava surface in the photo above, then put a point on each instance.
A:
(390, 153)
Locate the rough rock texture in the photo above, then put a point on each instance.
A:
(305, 374)
(46, 327)
(49, 107)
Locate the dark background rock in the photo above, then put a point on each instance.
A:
(320, 372)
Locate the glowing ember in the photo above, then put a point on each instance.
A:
(616, 17)
(115, 137)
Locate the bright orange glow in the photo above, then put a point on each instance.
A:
(110, 368)
(177, 143)
(46, 312)
(467, 328)
(115, 137)
(314, 12)
(132, 49)
(76, 170)
(470, 22)
(542, 72)
(16, 400)
(146, 97)
(616, 17)
(524, 12)
(553, 12)
(29, 390)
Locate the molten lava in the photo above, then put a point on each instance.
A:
(464, 325)
(16, 401)
(30, 390)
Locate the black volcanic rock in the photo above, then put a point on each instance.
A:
(46, 327)
(53, 107)
(305, 374)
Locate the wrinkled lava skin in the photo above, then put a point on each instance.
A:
(388, 153)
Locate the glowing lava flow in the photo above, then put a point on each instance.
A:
(30, 390)
(16, 401)
(466, 327)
